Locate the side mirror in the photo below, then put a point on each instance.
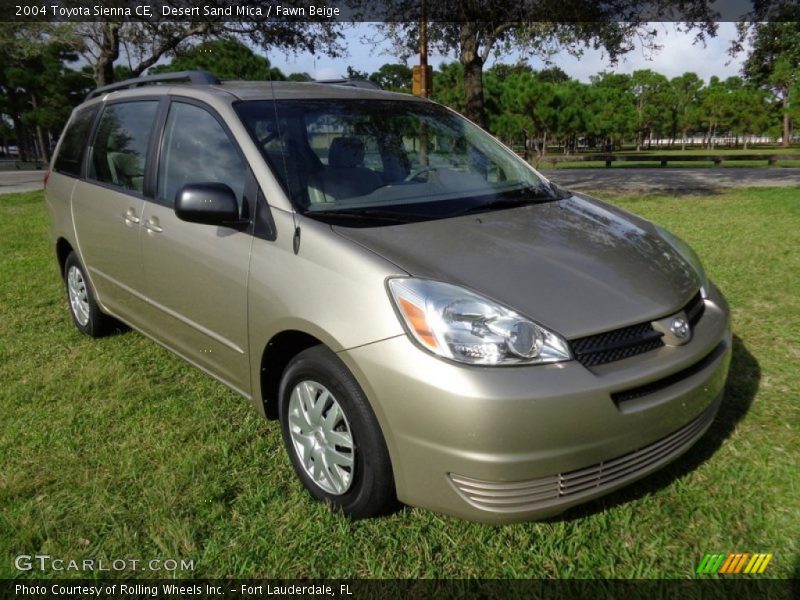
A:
(207, 203)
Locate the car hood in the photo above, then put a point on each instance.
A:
(578, 266)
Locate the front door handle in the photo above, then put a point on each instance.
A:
(130, 217)
(152, 225)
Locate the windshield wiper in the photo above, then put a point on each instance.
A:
(365, 214)
(499, 203)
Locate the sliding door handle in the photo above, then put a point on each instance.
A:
(130, 217)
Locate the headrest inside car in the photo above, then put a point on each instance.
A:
(346, 152)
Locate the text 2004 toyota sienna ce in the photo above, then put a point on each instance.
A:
(431, 320)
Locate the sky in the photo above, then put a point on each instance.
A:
(677, 55)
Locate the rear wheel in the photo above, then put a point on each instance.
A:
(332, 436)
(86, 315)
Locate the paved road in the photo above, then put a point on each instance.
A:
(20, 181)
(673, 180)
(620, 180)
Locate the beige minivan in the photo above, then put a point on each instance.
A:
(431, 320)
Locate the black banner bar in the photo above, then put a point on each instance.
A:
(741, 588)
(453, 11)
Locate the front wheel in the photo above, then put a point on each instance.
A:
(332, 436)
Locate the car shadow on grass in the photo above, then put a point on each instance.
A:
(740, 390)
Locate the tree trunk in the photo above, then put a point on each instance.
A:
(40, 139)
(473, 74)
(683, 139)
(787, 123)
(103, 69)
(19, 134)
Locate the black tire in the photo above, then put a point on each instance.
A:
(371, 490)
(98, 323)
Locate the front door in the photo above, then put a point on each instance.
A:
(196, 275)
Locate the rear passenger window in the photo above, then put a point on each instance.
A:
(70, 153)
(197, 150)
(119, 149)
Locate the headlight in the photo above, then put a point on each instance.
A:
(689, 255)
(463, 326)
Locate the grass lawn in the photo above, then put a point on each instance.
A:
(635, 164)
(718, 150)
(724, 151)
(117, 449)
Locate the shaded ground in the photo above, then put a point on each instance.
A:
(672, 180)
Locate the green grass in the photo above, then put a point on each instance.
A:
(719, 150)
(768, 150)
(116, 449)
(631, 164)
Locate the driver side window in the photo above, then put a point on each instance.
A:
(196, 149)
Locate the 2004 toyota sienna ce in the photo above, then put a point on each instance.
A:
(430, 319)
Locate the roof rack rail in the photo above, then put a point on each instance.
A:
(193, 77)
(359, 83)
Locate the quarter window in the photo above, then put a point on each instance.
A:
(119, 149)
(197, 150)
(70, 153)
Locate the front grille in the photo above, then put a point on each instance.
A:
(610, 346)
(614, 345)
(665, 382)
(520, 496)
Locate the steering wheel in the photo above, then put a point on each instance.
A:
(263, 141)
(414, 174)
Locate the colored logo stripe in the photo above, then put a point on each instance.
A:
(737, 562)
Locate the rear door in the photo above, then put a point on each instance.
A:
(107, 205)
(196, 275)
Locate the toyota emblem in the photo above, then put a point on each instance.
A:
(679, 328)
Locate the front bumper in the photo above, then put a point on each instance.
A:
(504, 444)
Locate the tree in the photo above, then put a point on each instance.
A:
(773, 59)
(486, 27)
(299, 77)
(652, 93)
(686, 96)
(37, 89)
(448, 82)
(614, 109)
(227, 59)
(713, 109)
(533, 108)
(394, 77)
(749, 109)
(353, 73)
(142, 43)
(552, 75)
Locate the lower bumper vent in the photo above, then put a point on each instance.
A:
(545, 492)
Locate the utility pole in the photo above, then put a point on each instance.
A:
(422, 81)
(423, 52)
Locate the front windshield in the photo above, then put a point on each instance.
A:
(399, 157)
